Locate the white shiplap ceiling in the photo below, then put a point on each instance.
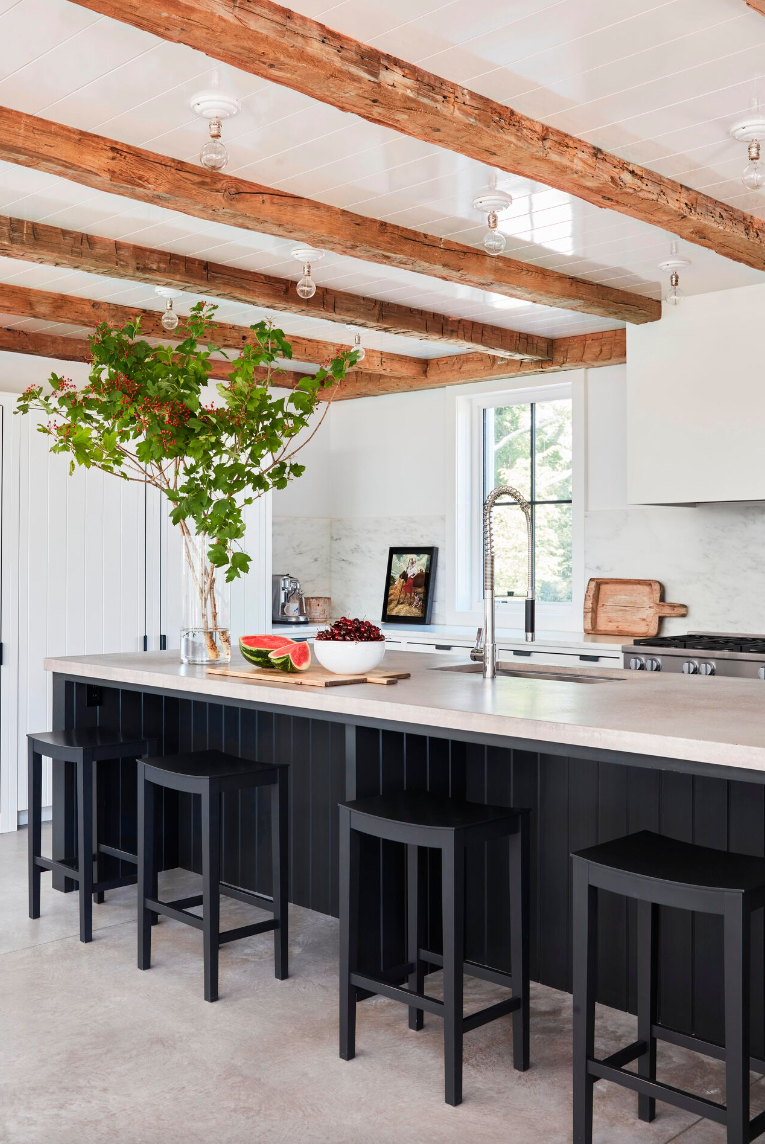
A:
(655, 81)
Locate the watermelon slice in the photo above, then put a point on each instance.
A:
(257, 649)
(291, 657)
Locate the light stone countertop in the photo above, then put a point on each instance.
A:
(691, 718)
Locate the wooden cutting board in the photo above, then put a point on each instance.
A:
(315, 676)
(626, 608)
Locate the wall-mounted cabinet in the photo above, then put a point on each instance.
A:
(696, 402)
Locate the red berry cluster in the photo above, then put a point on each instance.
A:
(358, 631)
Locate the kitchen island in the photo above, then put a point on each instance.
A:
(594, 754)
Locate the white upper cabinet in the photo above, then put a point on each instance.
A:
(696, 401)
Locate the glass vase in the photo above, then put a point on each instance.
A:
(205, 632)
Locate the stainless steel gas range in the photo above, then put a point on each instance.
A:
(699, 653)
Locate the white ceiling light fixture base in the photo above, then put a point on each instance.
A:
(751, 130)
(672, 266)
(491, 201)
(167, 292)
(306, 287)
(214, 104)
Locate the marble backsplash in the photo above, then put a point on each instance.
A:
(300, 545)
(346, 558)
(711, 558)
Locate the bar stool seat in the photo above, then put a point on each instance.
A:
(210, 774)
(658, 871)
(85, 747)
(420, 820)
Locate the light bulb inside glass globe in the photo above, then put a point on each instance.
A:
(214, 155)
(170, 318)
(674, 294)
(306, 287)
(753, 176)
(358, 349)
(494, 242)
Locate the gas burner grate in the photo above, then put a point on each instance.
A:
(709, 643)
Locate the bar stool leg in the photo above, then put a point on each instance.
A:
(519, 940)
(98, 833)
(585, 912)
(647, 919)
(453, 894)
(349, 932)
(146, 862)
(737, 953)
(415, 917)
(211, 889)
(85, 845)
(280, 863)
(34, 829)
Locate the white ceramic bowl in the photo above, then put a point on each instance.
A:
(351, 657)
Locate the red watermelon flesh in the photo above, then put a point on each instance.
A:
(293, 657)
(257, 649)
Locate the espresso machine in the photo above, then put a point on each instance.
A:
(288, 602)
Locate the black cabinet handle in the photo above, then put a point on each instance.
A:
(526, 653)
(590, 658)
(443, 647)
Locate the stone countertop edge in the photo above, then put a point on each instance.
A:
(689, 718)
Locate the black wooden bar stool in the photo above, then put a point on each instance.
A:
(211, 774)
(85, 747)
(418, 819)
(657, 872)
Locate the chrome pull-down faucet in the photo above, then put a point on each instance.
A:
(489, 637)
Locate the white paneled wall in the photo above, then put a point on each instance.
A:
(74, 562)
(90, 564)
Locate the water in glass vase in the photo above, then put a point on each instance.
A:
(205, 632)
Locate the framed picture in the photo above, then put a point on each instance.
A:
(409, 585)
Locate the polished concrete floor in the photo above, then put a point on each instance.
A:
(92, 1051)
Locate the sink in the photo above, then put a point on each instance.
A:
(535, 673)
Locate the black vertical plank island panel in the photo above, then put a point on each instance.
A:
(574, 802)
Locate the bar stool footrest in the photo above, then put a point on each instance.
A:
(252, 897)
(115, 852)
(490, 1013)
(247, 931)
(697, 1105)
(170, 911)
(68, 866)
(397, 993)
(472, 969)
(696, 1045)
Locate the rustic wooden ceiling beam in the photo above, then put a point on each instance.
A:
(119, 168)
(607, 347)
(584, 350)
(64, 348)
(49, 245)
(758, 5)
(290, 49)
(88, 313)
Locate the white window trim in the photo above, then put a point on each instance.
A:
(464, 456)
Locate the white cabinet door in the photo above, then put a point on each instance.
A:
(73, 578)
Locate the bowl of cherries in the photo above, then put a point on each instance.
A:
(350, 647)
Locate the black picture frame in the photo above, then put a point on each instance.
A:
(396, 555)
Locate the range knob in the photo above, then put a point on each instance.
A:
(637, 663)
(707, 669)
(690, 667)
(653, 665)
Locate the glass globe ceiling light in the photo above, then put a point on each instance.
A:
(751, 130)
(169, 318)
(214, 104)
(358, 349)
(491, 200)
(306, 287)
(672, 266)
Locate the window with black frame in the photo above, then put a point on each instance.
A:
(529, 446)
